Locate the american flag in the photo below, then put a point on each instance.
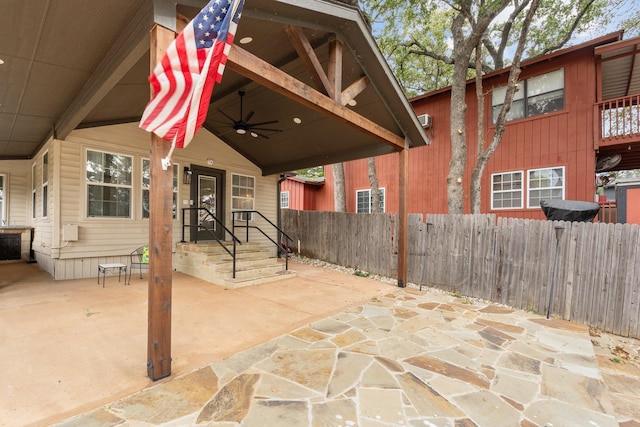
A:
(183, 80)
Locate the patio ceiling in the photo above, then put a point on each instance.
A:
(76, 63)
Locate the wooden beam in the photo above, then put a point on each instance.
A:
(354, 90)
(335, 69)
(308, 56)
(160, 238)
(254, 68)
(403, 217)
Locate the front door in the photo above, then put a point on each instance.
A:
(207, 192)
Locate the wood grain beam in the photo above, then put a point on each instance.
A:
(308, 56)
(254, 68)
(354, 90)
(335, 69)
(160, 238)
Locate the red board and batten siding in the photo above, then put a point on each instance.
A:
(563, 138)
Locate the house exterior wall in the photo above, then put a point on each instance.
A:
(106, 240)
(303, 196)
(560, 139)
(17, 190)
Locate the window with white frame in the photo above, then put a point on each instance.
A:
(109, 185)
(284, 199)
(537, 95)
(3, 214)
(45, 184)
(33, 191)
(364, 201)
(545, 184)
(146, 180)
(507, 190)
(243, 189)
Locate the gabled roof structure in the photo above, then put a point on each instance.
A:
(82, 64)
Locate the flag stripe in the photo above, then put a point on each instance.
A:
(183, 80)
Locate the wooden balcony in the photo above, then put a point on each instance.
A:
(617, 121)
(617, 130)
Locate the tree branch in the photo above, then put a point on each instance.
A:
(574, 25)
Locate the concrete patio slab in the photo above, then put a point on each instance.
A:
(321, 349)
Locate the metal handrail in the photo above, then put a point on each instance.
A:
(247, 227)
(199, 227)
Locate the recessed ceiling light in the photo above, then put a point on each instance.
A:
(352, 103)
(1, 62)
(297, 120)
(253, 134)
(241, 131)
(246, 40)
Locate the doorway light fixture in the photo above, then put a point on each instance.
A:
(186, 175)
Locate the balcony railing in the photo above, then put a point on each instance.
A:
(618, 120)
(608, 212)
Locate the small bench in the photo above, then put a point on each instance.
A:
(102, 268)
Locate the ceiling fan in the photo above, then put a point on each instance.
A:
(242, 126)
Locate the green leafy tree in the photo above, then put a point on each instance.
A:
(435, 43)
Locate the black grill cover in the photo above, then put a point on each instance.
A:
(569, 210)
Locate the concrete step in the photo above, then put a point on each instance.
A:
(209, 261)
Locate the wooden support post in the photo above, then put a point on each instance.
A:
(402, 217)
(160, 239)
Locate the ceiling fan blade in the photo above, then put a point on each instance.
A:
(221, 122)
(270, 122)
(227, 116)
(252, 128)
(251, 113)
(260, 135)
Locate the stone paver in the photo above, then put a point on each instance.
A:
(408, 358)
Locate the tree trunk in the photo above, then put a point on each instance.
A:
(455, 193)
(475, 192)
(483, 155)
(339, 193)
(375, 188)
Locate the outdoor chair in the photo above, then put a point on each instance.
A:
(139, 259)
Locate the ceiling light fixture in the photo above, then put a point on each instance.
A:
(253, 134)
(297, 120)
(352, 103)
(246, 40)
(241, 131)
(1, 62)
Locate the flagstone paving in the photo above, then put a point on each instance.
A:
(409, 358)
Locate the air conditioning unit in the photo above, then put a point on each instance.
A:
(425, 120)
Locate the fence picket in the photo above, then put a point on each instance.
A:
(508, 261)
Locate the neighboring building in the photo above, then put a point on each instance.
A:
(301, 193)
(75, 174)
(576, 108)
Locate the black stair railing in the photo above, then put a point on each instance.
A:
(245, 217)
(196, 228)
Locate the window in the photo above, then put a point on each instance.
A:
(545, 184)
(108, 179)
(146, 179)
(243, 195)
(538, 95)
(506, 190)
(364, 202)
(3, 216)
(33, 191)
(284, 199)
(45, 184)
